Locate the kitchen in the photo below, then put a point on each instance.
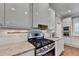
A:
(36, 29)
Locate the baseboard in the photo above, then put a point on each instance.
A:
(73, 45)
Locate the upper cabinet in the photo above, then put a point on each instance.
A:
(52, 21)
(58, 27)
(2, 14)
(67, 21)
(40, 14)
(26, 15)
(44, 15)
(18, 15)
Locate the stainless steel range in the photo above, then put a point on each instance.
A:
(42, 45)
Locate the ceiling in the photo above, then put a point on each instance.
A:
(66, 9)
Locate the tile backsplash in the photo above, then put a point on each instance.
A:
(12, 36)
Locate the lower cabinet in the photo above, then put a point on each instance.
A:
(72, 41)
(59, 47)
(28, 53)
(67, 40)
(75, 42)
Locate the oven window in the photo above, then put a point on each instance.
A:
(66, 28)
(66, 31)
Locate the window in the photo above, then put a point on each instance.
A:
(76, 28)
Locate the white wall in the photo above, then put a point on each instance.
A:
(6, 38)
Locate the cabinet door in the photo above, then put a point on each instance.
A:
(67, 40)
(1, 14)
(72, 41)
(67, 21)
(18, 15)
(52, 19)
(40, 14)
(59, 47)
(75, 42)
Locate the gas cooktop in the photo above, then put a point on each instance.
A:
(38, 43)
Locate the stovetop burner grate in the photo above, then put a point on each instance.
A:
(40, 43)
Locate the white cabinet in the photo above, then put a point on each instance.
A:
(72, 41)
(1, 14)
(40, 14)
(58, 27)
(75, 42)
(18, 15)
(28, 53)
(52, 22)
(67, 21)
(59, 47)
(67, 40)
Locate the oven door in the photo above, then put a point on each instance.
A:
(50, 53)
(48, 50)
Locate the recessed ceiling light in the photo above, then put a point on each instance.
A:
(69, 10)
(26, 12)
(13, 9)
(49, 9)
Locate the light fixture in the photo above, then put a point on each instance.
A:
(49, 9)
(26, 12)
(69, 11)
(13, 9)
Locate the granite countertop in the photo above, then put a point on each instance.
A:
(54, 38)
(16, 48)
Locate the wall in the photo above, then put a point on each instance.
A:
(6, 38)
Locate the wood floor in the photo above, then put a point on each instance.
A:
(70, 51)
